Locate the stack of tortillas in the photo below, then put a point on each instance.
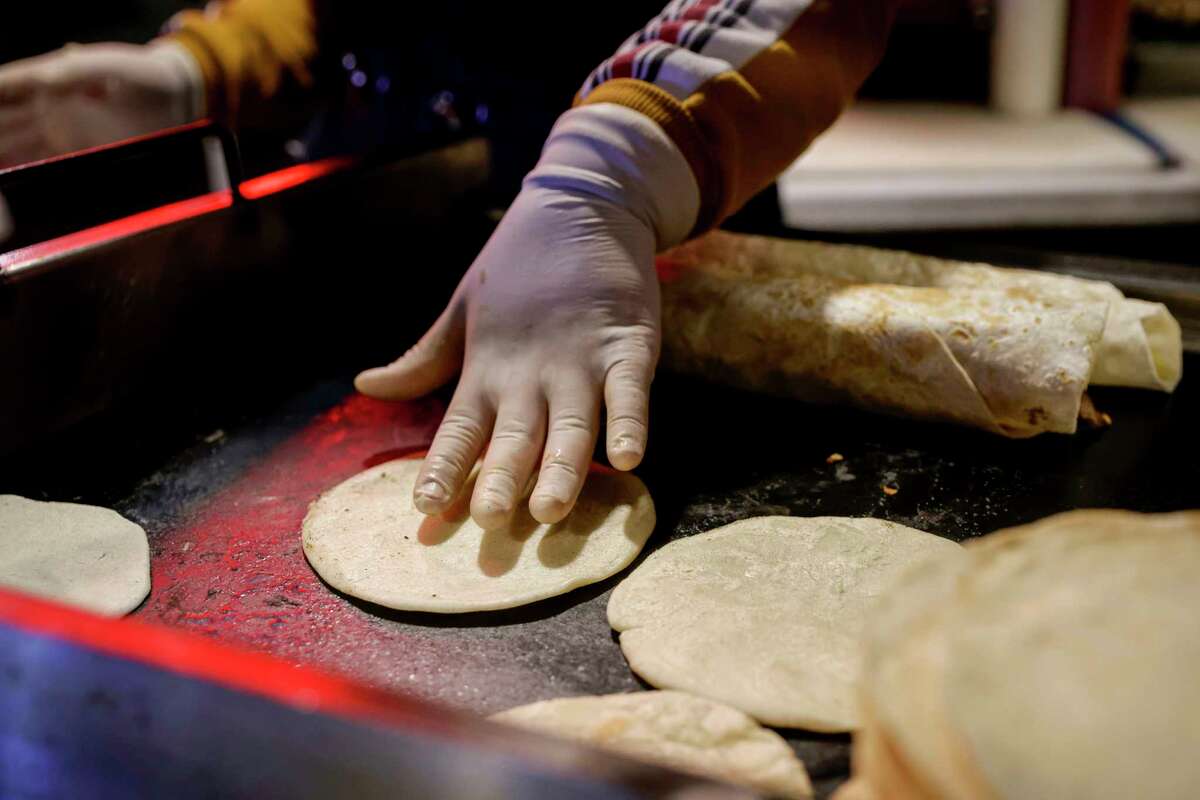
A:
(1059, 660)
(1010, 351)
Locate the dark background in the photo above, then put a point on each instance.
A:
(523, 60)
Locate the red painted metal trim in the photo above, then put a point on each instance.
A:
(133, 140)
(184, 654)
(273, 182)
(118, 229)
(253, 189)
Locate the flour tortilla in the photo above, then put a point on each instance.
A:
(913, 704)
(856, 789)
(678, 730)
(1059, 659)
(364, 537)
(1141, 345)
(1142, 348)
(879, 771)
(1117, 595)
(84, 556)
(1009, 351)
(765, 614)
(1008, 365)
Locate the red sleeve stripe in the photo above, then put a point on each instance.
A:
(702, 38)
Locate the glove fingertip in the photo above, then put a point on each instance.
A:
(375, 382)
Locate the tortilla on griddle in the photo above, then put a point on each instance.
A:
(84, 556)
(765, 613)
(365, 538)
(678, 730)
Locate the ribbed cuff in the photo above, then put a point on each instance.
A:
(670, 115)
(622, 156)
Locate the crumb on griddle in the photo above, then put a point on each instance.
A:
(1091, 416)
(890, 489)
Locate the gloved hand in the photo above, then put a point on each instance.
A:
(86, 95)
(560, 309)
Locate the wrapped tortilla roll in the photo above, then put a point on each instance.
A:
(1141, 346)
(1009, 351)
(991, 359)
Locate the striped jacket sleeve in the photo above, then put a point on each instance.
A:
(742, 87)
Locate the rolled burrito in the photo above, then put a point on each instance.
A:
(1009, 351)
(1141, 347)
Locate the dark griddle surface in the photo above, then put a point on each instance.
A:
(223, 510)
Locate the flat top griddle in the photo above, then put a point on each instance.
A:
(222, 500)
(226, 338)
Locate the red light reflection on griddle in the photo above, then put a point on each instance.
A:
(234, 567)
(391, 455)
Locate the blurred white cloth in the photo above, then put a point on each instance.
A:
(87, 95)
(916, 166)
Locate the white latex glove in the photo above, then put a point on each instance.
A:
(560, 309)
(87, 95)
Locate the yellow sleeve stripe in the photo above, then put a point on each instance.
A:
(249, 49)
